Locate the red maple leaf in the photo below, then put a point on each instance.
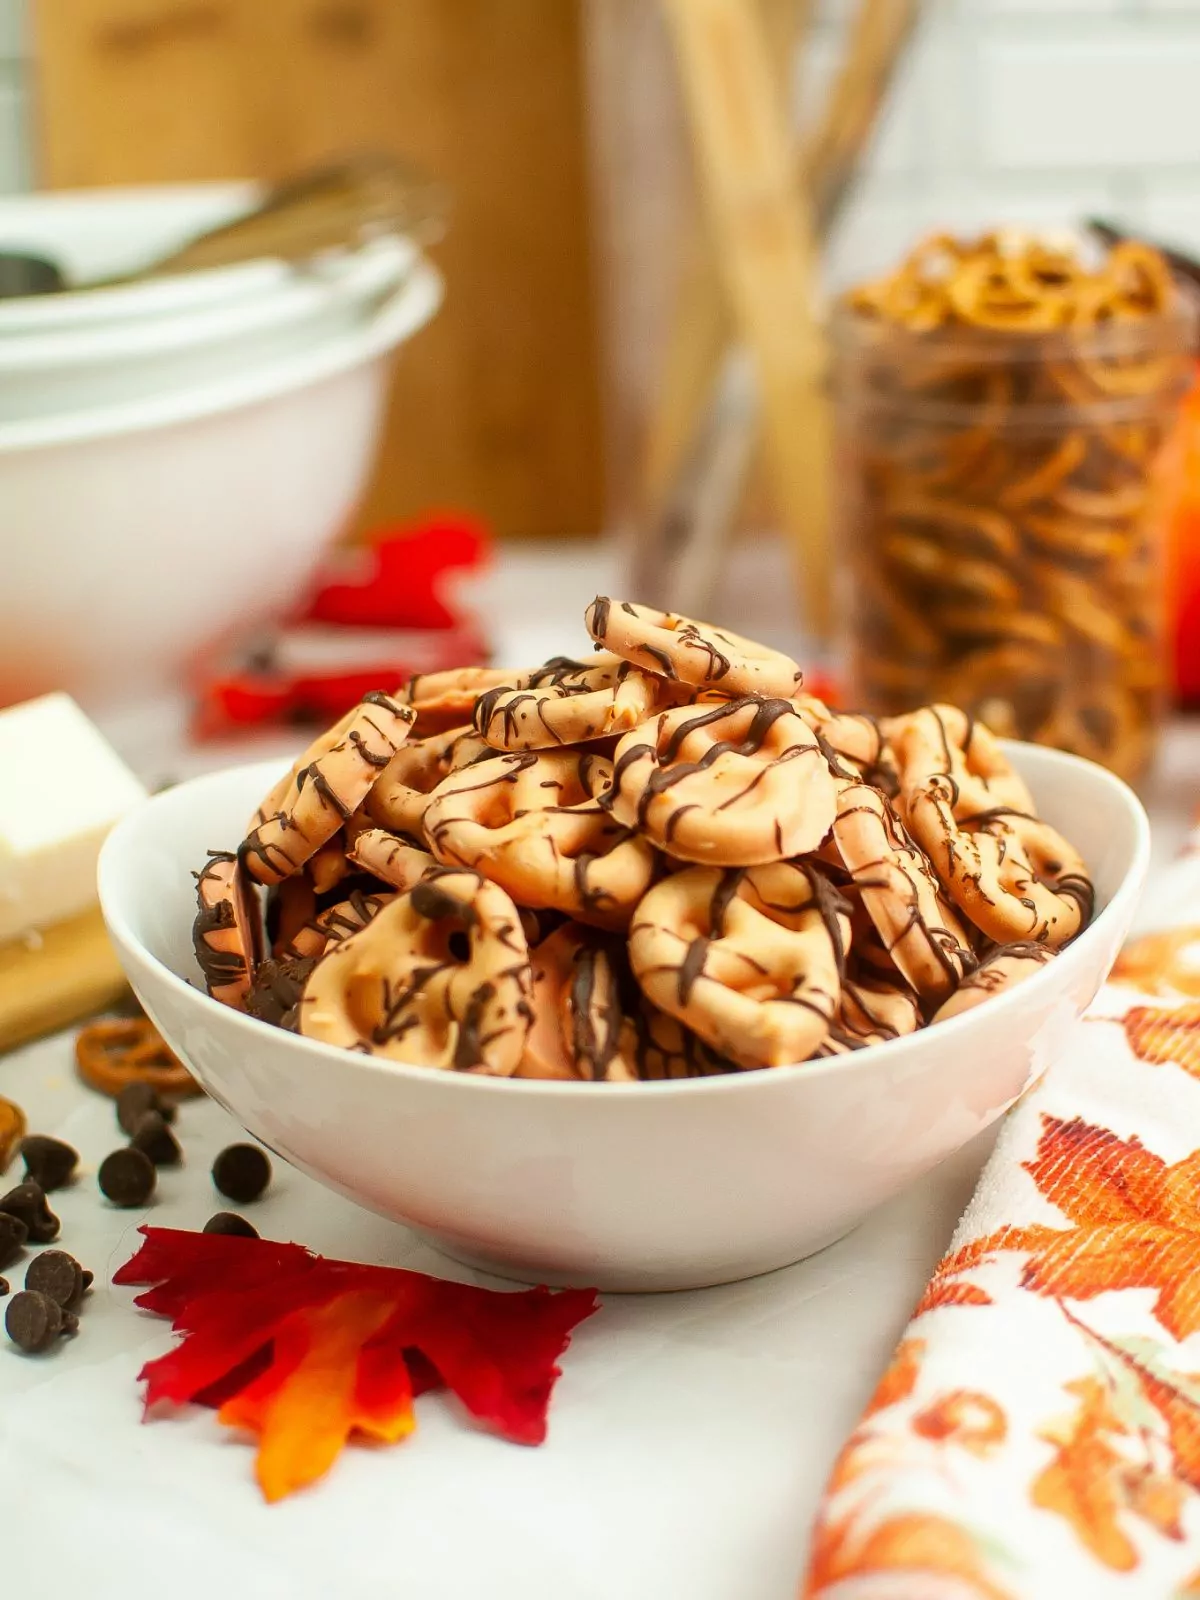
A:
(307, 1352)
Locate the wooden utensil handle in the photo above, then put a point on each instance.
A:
(763, 245)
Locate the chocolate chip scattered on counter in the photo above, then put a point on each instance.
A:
(241, 1172)
(3, 1287)
(27, 1202)
(127, 1177)
(13, 1234)
(229, 1222)
(48, 1162)
(33, 1321)
(154, 1139)
(136, 1099)
(57, 1275)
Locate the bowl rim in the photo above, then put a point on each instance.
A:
(377, 269)
(400, 315)
(898, 1050)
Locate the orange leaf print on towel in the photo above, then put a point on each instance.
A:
(1162, 1036)
(900, 1379)
(942, 1291)
(1135, 1224)
(1115, 1457)
(1083, 1481)
(1162, 963)
(936, 1555)
(972, 1421)
(925, 1548)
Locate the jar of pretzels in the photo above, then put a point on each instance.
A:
(1005, 408)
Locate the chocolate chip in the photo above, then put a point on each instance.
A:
(135, 1100)
(3, 1287)
(48, 1162)
(229, 1222)
(58, 1276)
(13, 1234)
(27, 1202)
(154, 1139)
(127, 1177)
(33, 1321)
(241, 1172)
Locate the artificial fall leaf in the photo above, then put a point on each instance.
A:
(1163, 1036)
(306, 1405)
(1162, 963)
(965, 1418)
(307, 1353)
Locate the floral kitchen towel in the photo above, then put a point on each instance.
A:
(1037, 1434)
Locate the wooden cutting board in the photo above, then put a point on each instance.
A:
(72, 973)
(496, 406)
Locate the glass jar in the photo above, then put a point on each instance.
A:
(1001, 499)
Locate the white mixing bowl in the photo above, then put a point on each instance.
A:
(93, 234)
(135, 537)
(639, 1186)
(81, 368)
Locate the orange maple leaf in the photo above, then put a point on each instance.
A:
(1159, 963)
(1165, 1035)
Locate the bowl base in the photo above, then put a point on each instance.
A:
(665, 1279)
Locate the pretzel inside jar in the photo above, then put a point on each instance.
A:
(1005, 406)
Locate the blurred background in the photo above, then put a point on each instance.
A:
(602, 260)
(558, 125)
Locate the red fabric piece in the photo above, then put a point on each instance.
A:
(394, 581)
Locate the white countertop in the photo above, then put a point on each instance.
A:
(690, 1434)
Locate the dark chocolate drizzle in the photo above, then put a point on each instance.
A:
(274, 996)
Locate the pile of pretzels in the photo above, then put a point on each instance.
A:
(661, 860)
(1006, 406)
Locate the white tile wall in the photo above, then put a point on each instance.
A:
(1040, 111)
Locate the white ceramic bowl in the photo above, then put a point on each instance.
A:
(136, 537)
(99, 233)
(80, 368)
(636, 1187)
